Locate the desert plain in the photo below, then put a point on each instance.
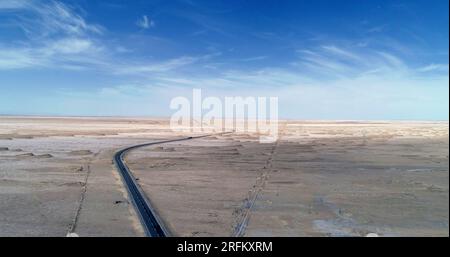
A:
(320, 178)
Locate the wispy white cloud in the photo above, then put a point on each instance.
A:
(57, 36)
(435, 67)
(393, 61)
(72, 46)
(368, 84)
(365, 97)
(255, 58)
(43, 18)
(340, 52)
(17, 59)
(331, 62)
(12, 4)
(145, 23)
(148, 68)
(63, 53)
(161, 66)
(58, 17)
(78, 47)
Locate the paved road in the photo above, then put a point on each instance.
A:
(153, 226)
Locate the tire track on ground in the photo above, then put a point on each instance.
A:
(73, 224)
(247, 207)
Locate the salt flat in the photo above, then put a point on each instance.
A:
(321, 178)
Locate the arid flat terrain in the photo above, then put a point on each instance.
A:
(321, 178)
(57, 175)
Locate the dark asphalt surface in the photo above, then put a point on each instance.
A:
(153, 226)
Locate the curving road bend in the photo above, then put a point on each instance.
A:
(151, 222)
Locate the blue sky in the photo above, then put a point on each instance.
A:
(336, 59)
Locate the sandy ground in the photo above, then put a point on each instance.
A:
(57, 176)
(319, 179)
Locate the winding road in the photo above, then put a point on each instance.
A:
(151, 222)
